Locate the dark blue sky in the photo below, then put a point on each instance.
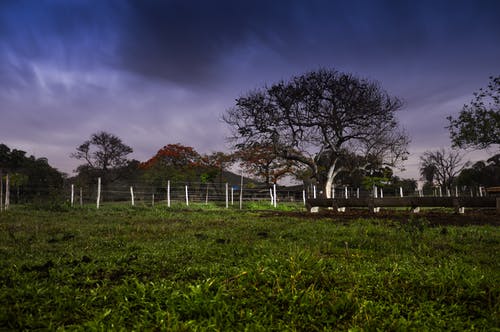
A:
(160, 72)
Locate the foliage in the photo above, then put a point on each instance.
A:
(29, 176)
(441, 167)
(478, 124)
(486, 174)
(263, 162)
(173, 162)
(318, 118)
(105, 155)
(123, 268)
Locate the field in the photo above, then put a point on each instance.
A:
(143, 268)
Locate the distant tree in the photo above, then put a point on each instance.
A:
(441, 167)
(31, 177)
(174, 162)
(105, 155)
(478, 124)
(316, 118)
(214, 165)
(482, 173)
(263, 162)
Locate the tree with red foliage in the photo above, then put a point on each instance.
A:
(173, 162)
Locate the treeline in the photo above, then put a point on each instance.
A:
(30, 178)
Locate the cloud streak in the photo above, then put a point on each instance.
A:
(159, 72)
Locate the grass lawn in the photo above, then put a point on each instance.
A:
(123, 268)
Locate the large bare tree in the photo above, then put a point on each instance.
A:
(441, 167)
(320, 118)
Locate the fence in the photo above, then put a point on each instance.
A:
(223, 194)
(414, 203)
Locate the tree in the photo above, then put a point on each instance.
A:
(28, 175)
(441, 167)
(104, 154)
(263, 162)
(482, 173)
(318, 118)
(174, 162)
(478, 124)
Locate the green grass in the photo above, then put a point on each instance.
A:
(142, 268)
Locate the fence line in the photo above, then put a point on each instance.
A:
(198, 192)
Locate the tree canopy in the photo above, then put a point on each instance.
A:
(31, 176)
(105, 155)
(317, 119)
(478, 124)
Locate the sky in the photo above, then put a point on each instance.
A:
(160, 72)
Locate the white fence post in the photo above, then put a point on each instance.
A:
(304, 196)
(132, 195)
(187, 196)
(227, 193)
(275, 199)
(241, 192)
(314, 192)
(345, 192)
(98, 192)
(232, 195)
(72, 194)
(168, 193)
(271, 195)
(400, 191)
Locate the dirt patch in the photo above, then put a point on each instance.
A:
(434, 217)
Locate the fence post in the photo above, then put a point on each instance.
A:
(227, 193)
(314, 192)
(81, 196)
(153, 200)
(345, 192)
(168, 193)
(304, 196)
(187, 196)
(206, 197)
(241, 192)
(98, 192)
(132, 195)
(357, 192)
(275, 198)
(271, 195)
(400, 191)
(232, 195)
(7, 193)
(72, 194)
